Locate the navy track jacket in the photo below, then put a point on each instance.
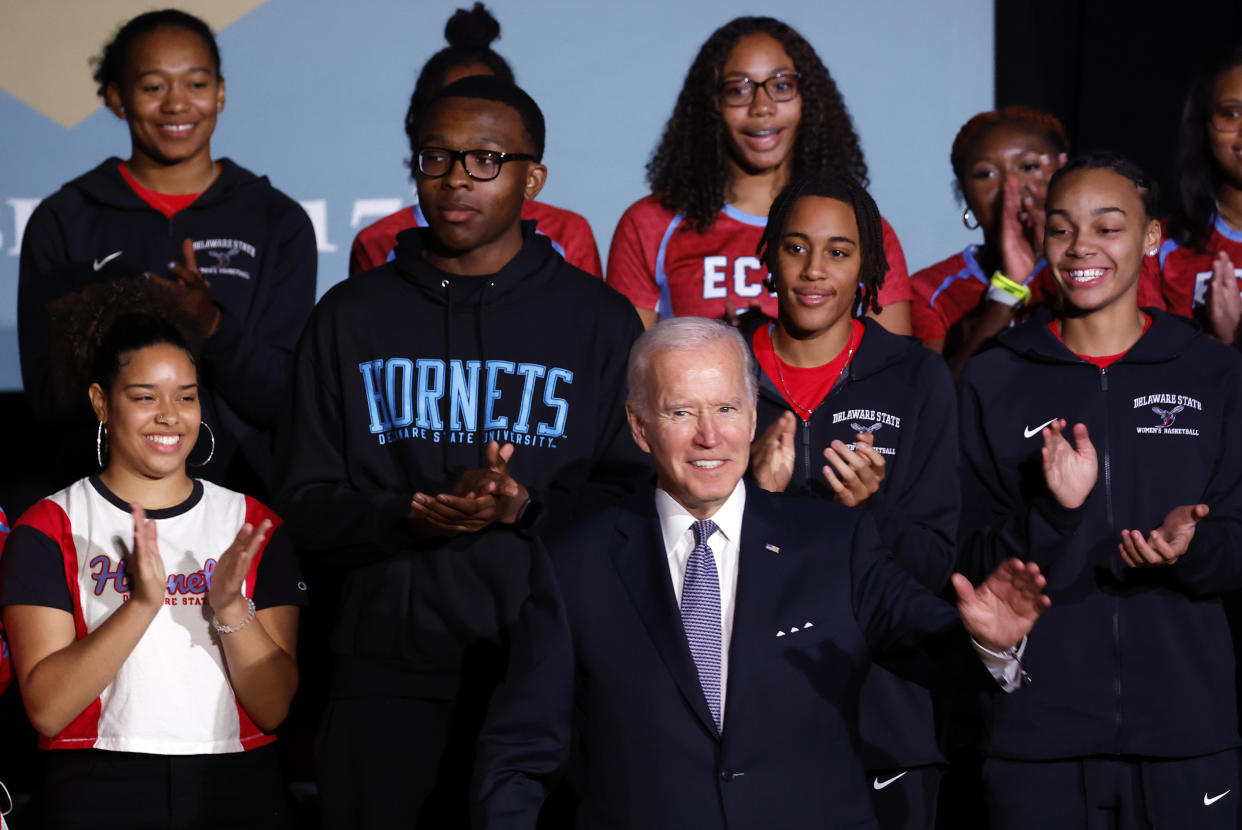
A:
(903, 394)
(1135, 662)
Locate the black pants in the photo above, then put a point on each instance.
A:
(394, 763)
(1202, 793)
(131, 791)
(905, 799)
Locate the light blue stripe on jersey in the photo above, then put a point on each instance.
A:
(743, 217)
(1169, 246)
(1224, 230)
(972, 269)
(665, 306)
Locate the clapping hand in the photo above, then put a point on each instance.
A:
(1004, 608)
(1070, 471)
(854, 475)
(148, 583)
(772, 456)
(479, 498)
(194, 291)
(224, 593)
(1167, 543)
(1224, 305)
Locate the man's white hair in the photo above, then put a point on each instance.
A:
(683, 334)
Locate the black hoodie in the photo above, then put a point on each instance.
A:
(1126, 662)
(404, 374)
(903, 394)
(255, 246)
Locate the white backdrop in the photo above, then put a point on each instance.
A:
(317, 91)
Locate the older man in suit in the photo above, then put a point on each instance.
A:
(698, 654)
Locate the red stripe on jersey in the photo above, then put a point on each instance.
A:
(250, 735)
(51, 520)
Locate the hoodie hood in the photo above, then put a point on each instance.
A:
(104, 185)
(1167, 339)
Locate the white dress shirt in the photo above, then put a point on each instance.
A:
(676, 526)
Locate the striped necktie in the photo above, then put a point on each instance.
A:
(700, 615)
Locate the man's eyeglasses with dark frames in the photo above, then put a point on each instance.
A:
(480, 165)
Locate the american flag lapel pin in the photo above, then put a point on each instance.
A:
(773, 548)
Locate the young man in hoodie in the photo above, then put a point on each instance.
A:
(447, 406)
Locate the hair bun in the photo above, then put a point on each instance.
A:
(472, 29)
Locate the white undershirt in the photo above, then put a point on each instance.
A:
(676, 527)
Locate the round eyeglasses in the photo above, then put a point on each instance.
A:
(480, 165)
(738, 92)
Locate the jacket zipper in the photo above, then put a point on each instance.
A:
(806, 447)
(1108, 510)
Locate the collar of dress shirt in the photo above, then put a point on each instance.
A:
(675, 520)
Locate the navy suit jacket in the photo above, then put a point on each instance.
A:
(600, 664)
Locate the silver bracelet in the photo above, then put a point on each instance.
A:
(233, 629)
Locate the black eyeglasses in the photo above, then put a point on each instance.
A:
(480, 165)
(1226, 118)
(738, 92)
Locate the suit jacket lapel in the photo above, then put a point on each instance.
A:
(759, 586)
(638, 554)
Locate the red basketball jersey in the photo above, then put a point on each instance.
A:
(569, 233)
(659, 263)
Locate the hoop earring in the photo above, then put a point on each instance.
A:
(212, 436)
(99, 436)
(968, 216)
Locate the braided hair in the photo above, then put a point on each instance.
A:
(870, 231)
(689, 170)
(469, 33)
(1041, 122)
(1116, 163)
(1198, 174)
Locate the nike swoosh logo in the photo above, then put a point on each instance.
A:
(99, 263)
(1028, 432)
(1208, 802)
(879, 785)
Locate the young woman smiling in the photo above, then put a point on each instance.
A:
(861, 416)
(152, 617)
(758, 108)
(1199, 262)
(237, 254)
(1136, 522)
(1002, 162)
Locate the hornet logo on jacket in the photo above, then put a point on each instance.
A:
(465, 401)
(868, 422)
(1173, 405)
(224, 251)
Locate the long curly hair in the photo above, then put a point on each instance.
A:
(1198, 176)
(689, 170)
(870, 231)
(79, 322)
